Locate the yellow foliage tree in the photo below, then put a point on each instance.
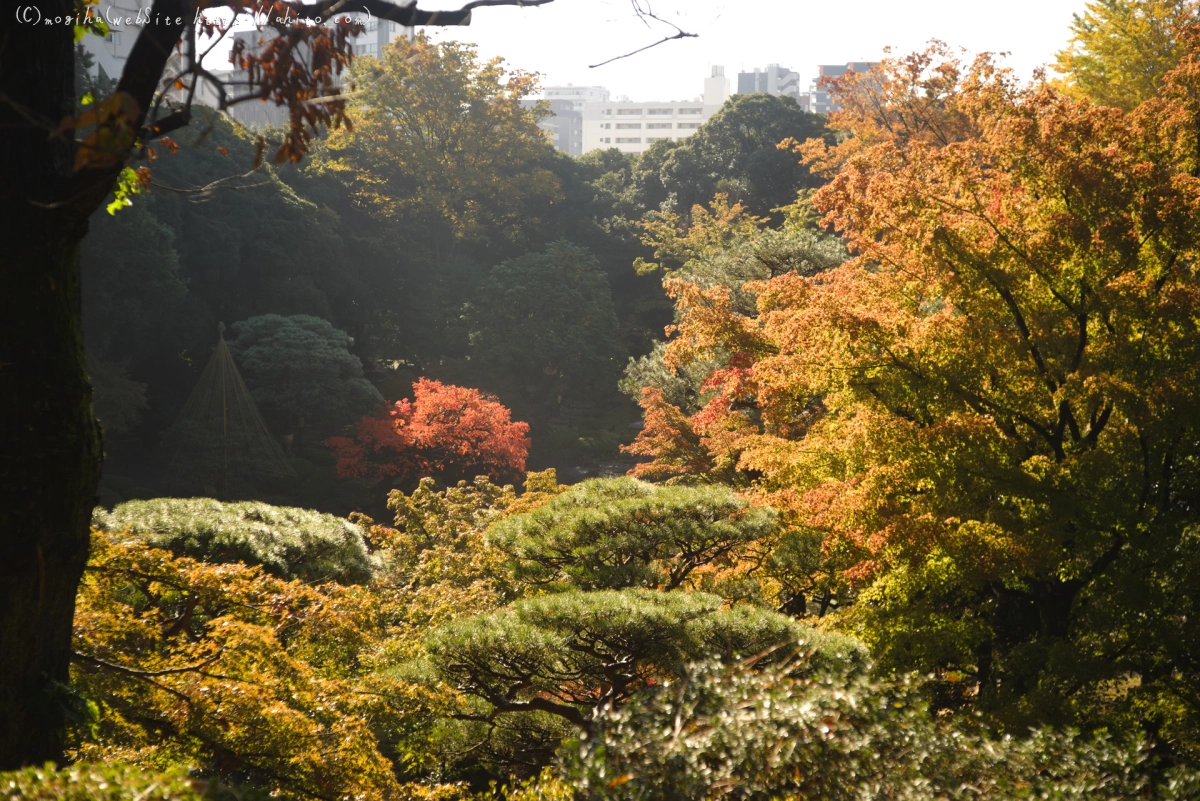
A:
(1121, 49)
(987, 418)
(284, 686)
(442, 147)
(678, 242)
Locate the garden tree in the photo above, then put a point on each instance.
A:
(133, 291)
(259, 243)
(287, 542)
(247, 678)
(109, 782)
(442, 146)
(598, 212)
(681, 387)
(731, 732)
(648, 190)
(240, 248)
(60, 168)
(437, 560)
(609, 172)
(444, 431)
(722, 245)
(613, 533)
(560, 658)
(686, 403)
(301, 372)
(735, 152)
(1121, 49)
(118, 400)
(134, 283)
(988, 415)
(680, 241)
(544, 322)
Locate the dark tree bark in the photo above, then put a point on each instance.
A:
(49, 439)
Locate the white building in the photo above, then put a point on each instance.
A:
(633, 127)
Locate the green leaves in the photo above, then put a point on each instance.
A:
(732, 733)
(570, 653)
(99, 782)
(621, 532)
(301, 371)
(129, 183)
(288, 542)
(1121, 49)
(547, 320)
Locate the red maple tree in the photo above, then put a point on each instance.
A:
(445, 431)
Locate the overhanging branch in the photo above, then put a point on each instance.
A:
(402, 13)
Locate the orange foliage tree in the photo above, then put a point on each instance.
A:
(445, 431)
(989, 415)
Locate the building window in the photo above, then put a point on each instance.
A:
(372, 25)
(661, 111)
(606, 139)
(656, 138)
(689, 125)
(629, 125)
(629, 112)
(114, 37)
(691, 111)
(658, 125)
(629, 140)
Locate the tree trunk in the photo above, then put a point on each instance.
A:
(49, 441)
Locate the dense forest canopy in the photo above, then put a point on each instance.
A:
(876, 433)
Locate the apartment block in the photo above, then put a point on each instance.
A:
(774, 80)
(633, 127)
(564, 126)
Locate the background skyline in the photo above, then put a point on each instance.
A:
(562, 39)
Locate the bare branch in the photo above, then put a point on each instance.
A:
(643, 11)
(91, 660)
(208, 189)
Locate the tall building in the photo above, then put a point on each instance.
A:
(565, 123)
(633, 127)
(820, 100)
(774, 80)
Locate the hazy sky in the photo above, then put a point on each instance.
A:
(561, 39)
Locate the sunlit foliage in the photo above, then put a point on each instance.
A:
(289, 543)
(1120, 50)
(987, 416)
(445, 431)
